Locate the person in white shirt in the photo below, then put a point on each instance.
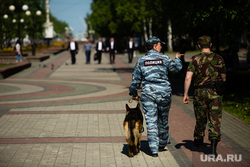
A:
(18, 51)
(73, 47)
(131, 47)
(112, 50)
(99, 50)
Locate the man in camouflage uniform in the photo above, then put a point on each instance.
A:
(151, 71)
(207, 69)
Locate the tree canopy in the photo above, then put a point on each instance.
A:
(223, 20)
(32, 25)
(59, 26)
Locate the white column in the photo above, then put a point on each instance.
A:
(49, 28)
(47, 11)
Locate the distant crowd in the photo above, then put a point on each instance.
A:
(101, 46)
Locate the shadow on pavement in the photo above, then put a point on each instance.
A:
(189, 144)
(144, 148)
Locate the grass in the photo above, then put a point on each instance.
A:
(238, 104)
(5, 65)
(236, 100)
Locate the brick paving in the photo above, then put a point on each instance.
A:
(71, 115)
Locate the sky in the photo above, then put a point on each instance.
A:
(72, 12)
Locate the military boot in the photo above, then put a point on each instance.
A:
(214, 143)
(199, 144)
(161, 149)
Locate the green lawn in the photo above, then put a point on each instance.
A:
(238, 104)
(5, 65)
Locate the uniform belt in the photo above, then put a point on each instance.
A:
(205, 86)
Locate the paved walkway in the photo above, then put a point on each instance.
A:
(58, 114)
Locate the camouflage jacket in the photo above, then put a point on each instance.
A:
(151, 70)
(207, 68)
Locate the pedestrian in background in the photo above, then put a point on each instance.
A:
(99, 49)
(131, 48)
(112, 50)
(209, 72)
(18, 50)
(151, 70)
(73, 47)
(87, 47)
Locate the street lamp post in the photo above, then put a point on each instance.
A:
(91, 31)
(33, 29)
(19, 20)
(5, 16)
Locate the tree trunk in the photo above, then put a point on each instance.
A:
(145, 29)
(170, 46)
(150, 27)
(1, 38)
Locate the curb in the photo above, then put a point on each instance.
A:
(8, 71)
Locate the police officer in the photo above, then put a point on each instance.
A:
(208, 70)
(151, 71)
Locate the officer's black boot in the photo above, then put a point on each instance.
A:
(214, 143)
(155, 155)
(199, 144)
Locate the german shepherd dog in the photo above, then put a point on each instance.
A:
(133, 128)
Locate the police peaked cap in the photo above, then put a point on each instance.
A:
(154, 40)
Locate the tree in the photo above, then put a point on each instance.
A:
(4, 22)
(35, 22)
(223, 20)
(59, 26)
(101, 17)
(32, 24)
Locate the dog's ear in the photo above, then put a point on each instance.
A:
(127, 107)
(138, 106)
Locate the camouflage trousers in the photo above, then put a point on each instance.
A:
(156, 110)
(207, 107)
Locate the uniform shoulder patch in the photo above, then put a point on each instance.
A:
(153, 62)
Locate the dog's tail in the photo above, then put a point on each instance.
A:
(131, 127)
(128, 132)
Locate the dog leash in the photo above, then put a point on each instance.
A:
(134, 98)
